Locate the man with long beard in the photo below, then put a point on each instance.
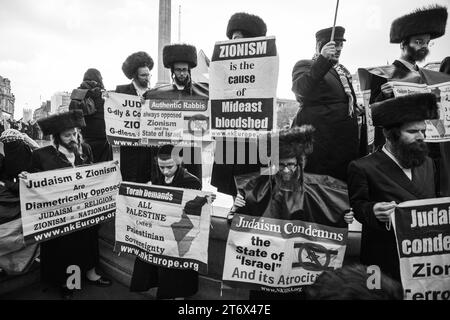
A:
(398, 172)
(77, 248)
(292, 194)
(180, 59)
(413, 32)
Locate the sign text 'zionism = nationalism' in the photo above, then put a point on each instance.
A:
(241, 122)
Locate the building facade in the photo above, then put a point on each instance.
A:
(7, 99)
(59, 102)
(43, 111)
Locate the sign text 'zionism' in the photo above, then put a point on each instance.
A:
(243, 82)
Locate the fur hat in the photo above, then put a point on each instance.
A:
(292, 143)
(431, 20)
(249, 24)
(397, 111)
(324, 35)
(179, 53)
(136, 60)
(296, 142)
(59, 122)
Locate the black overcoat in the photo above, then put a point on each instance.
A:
(377, 178)
(324, 104)
(79, 248)
(135, 162)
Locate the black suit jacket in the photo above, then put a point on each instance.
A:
(377, 178)
(77, 248)
(136, 162)
(127, 89)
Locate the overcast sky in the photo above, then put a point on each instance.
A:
(47, 45)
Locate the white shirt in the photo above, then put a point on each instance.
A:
(179, 87)
(140, 91)
(408, 172)
(69, 154)
(409, 65)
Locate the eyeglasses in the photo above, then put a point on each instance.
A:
(423, 43)
(180, 70)
(290, 165)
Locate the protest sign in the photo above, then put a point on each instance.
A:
(58, 202)
(422, 230)
(437, 130)
(175, 119)
(164, 226)
(122, 119)
(368, 114)
(280, 255)
(243, 83)
(372, 79)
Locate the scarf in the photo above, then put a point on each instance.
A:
(346, 78)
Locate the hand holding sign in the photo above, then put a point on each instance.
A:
(388, 90)
(239, 202)
(383, 210)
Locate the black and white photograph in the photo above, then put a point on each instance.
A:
(221, 157)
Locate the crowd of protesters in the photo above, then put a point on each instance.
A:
(31, 128)
(322, 148)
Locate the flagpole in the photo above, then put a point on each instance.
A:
(179, 23)
(335, 17)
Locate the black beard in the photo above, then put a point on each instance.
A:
(417, 55)
(288, 182)
(185, 82)
(142, 84)
(72, 146)
(411, 155)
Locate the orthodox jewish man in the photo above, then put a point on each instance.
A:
(399, 171)
(171, 283)
(323, 87)
(180, 59)
(292, 194)
(79, 248)
(413, 32)
(241, 25)
(134, 161)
